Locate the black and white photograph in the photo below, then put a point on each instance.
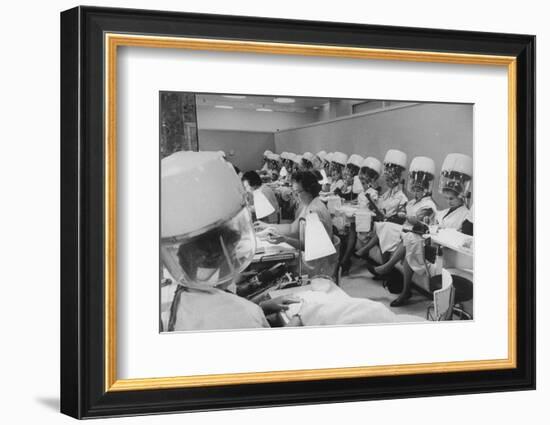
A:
(263, 211)
(284, 211)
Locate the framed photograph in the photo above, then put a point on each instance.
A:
(261, 212)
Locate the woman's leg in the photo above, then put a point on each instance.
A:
(407, 281)
(397, 255)
(371, 243)
(350, 245)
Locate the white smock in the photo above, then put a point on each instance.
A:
(212, 308)
(414, 244)
(389, 234)
(392, 200)
(453, 219)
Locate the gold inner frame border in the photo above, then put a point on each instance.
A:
(113, 40)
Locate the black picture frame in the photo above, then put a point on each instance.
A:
(83, 392)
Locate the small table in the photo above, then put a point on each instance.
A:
(457, 259)
(269, 252)
(455, 255)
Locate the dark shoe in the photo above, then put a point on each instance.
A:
(402, 299)
(345, 268)
(370, 265)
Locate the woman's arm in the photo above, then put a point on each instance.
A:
(284, 229)
(293, 242)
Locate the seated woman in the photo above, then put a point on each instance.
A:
(371, 169)
(419, 212)
(337, 165)
(252, 182)
(454, 184)
(457, 213)
(390, 208)
(353, 186)
(306, 186)
(350, 192)
(452, 217)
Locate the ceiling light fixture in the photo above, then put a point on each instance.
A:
(264, 110)
(283, 100)
(223, 106)
(234, 96)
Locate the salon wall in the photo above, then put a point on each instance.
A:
(432, 130)
(243, 148)
(209, 118)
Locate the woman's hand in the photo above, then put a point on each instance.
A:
(275, 238)
(278, 304)
(260, 225)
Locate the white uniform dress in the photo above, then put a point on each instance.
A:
(390, 234)
(414, 244)
(454, 219)
(392, 200)
(211, 308)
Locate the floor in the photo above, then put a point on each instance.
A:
(360, 284)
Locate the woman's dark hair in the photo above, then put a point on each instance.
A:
(253, 178)
(309, 182)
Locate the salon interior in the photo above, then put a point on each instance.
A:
(307, 211)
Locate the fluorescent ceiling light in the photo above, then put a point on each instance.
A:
(283, 100)
(231, 96)
(264, 110)
(223, 106)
